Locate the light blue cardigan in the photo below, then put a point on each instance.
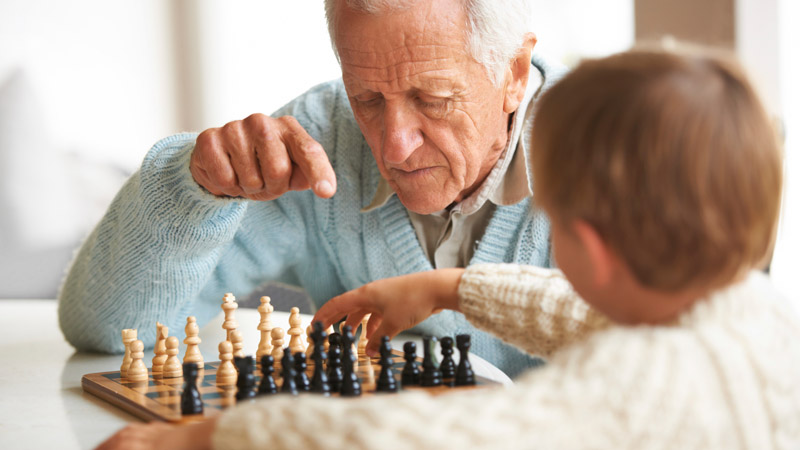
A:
(167, 249)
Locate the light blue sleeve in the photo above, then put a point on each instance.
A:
(158, 245)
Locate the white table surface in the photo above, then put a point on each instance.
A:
(43, 404)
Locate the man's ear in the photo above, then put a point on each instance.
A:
(516, 79)
(600, 255)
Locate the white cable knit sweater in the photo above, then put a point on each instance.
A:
(724, 375)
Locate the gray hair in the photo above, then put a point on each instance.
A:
(495, 28)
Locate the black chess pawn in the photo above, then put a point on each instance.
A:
(267, 385)
(448, 366)
(288, 373)
(386, 381)
(464, 375)
(191, 401)
(410, 370)
(335, 339)
(431, 375)
(319, 381)
(300, 366)
(246, 381)
(318, 337)
(351, 386)
(335, 375)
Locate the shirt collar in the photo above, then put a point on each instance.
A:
(507, 183)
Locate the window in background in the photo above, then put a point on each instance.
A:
(255, 56)
(786, 263)
(569, 30)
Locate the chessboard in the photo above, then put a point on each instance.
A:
(160, 398)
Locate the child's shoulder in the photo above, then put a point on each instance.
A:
(744, 334)
(754, 302)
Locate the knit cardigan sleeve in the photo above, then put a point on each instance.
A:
(533, 308)
(158, 245)
(488, 418)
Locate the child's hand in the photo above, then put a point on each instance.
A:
(396, 304)
(159, 435)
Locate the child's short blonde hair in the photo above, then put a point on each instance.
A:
(672, 158)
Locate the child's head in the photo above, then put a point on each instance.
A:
(672, 161)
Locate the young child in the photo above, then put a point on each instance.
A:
(662, 177)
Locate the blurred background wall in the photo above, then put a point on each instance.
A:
(87, 86)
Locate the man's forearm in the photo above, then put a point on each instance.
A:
(150, 255)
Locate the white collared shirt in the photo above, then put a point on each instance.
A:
(449, 237)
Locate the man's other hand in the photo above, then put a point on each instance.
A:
(261, 158)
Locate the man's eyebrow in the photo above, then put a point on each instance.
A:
(430, 85)
(438, 86)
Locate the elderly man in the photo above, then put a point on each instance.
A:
(413, 160)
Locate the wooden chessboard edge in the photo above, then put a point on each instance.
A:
(100, 386)
(96, 384)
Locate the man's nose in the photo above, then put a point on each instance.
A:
(401, 133)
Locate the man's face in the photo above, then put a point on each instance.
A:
(430, 114)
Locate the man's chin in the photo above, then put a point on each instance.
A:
(424, 205)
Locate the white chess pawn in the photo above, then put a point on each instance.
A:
(369, 372)
(137, 371)
(296, 331)
(265, 327)
(172, 368)
(128, 336)
(160, 350)
(226, 372)
(362, 338)
(327, 343)
(277, 343)
(309, 341)
(192, 342)
(229, 306)
(237, 341)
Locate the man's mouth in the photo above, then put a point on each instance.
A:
(413, 173)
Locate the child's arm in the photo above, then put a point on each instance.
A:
(533, 308)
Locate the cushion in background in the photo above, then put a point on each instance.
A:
(49, 198)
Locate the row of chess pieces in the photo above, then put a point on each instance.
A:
(335, 369)
(326, 349)
(167, 365)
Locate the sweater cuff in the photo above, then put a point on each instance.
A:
(171, 157)
(247, 425)
(486, 289)
(168, 161)
(226, 427)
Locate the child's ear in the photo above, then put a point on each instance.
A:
(600, 256)
(517, 72)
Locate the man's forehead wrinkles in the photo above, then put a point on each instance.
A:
(411, 72)
(402, 69)
(429, 52)
(429, 80)
(421, 62)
